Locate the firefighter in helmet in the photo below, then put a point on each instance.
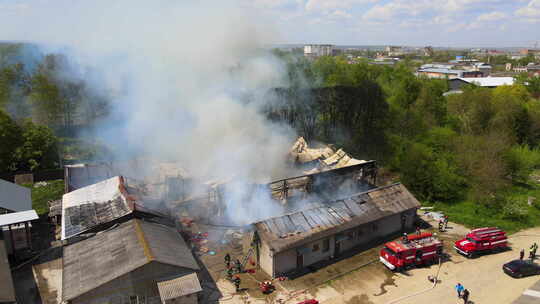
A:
(237, 282)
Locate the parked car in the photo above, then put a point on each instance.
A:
(521, 268)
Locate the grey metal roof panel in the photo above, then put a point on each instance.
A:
(14, 197)
(335, 216)
(167, 246)
(178, 287)
(108, 255)
(18, 217)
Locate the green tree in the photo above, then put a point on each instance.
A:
(10, 139)
(38, 149)
(521, 161)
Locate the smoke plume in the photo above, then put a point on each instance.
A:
(176, 73)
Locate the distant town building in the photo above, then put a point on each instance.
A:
(318, 50)
(531, 69)
(447, 73)
(394, 51)
(428, 51)
(486, 82)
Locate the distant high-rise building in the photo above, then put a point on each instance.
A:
(318, 50)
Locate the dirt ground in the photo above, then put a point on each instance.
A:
(48, 278)
(361, 279)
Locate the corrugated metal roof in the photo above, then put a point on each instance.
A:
(18, 217)
(302, 227)
(489, 81)
(442, 71)
(7, 292)
(182, 286)
(14, 197)
(95, 261)
(90, 206)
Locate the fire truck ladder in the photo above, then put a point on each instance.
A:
(246, 258)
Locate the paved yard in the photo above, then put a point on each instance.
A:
(359, 280)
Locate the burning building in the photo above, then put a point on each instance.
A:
(99, 206)
(290, 242)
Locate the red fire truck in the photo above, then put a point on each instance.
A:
(412, 250)
(482, 240)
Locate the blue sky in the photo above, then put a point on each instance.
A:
(483, 23)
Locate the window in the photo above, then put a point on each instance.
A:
(326, 245)
(315, 247)
(350, 235)
(375, 227)
(359, 233)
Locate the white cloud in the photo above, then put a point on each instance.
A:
(531, 11)
(331, 5)
(493, 16)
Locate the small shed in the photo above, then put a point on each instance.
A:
(16, 230)
(181, 290)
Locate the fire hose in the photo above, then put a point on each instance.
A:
(421, 291)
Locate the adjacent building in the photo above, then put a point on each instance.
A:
(136, 261)
(291, 242)
(16, 215)
(14, 198)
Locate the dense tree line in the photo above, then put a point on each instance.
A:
(472, 145)
(40, 100)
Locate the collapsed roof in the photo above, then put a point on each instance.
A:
(299, 228)
(100, 203)
(324, 158)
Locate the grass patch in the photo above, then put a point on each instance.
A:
(475, 215)
(43, 194)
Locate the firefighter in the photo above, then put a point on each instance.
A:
(521, 254)
(534, 247)
(441, 226)
(445, 222)
(229, 274)
(418, 232)
(238, 266)
(237, 283)
(405, 239)
(228, 260)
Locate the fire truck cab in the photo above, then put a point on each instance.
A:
(412, 250)
(481, 240)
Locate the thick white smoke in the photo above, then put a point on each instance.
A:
(175, 70)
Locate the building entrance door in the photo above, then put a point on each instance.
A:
(337, 249)
(299, 261)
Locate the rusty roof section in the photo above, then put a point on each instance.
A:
(95, 261)
(296, 229)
